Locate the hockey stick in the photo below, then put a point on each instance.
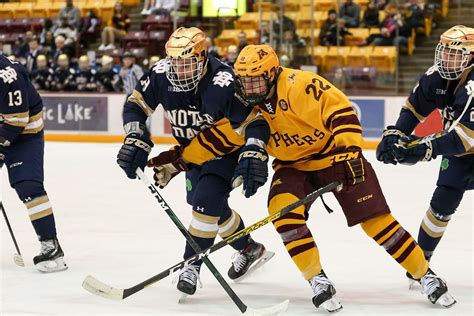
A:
(97, 287)
(17, 258)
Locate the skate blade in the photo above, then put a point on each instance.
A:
(446, 300)
(50, 266)
(267, 255)
(182, 298)
(412, 284)
(332, 305)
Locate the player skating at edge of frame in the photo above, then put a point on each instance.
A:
(197, 93)
(22, 153)
(448, 86)
(316, 139)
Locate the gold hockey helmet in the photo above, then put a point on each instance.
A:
(256, 69)
(186, 58)
(454, 52)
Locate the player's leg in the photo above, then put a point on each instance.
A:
(365, 204)
(25, 171)
(288, 186)
(453, 180)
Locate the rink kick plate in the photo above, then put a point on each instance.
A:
(99, 288)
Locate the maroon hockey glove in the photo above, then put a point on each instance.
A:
(167, 165)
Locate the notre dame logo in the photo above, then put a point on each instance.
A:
(283, 105)
(262, 53)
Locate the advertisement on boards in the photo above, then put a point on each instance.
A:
(75, 113)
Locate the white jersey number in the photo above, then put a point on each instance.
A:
(14, 98)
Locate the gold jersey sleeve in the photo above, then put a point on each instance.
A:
(218, 140)
(311, 118)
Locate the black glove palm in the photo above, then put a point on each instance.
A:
(252, 170)
(134, 153)
(390, 137)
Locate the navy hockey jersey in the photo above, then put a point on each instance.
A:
(189, 112)
(448, 96)
(20, 105)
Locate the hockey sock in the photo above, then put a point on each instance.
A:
(296, 236)
(204, 230)
(229, 223)
(431, 231)
(388, 233)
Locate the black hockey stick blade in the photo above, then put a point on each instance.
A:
(99, 288)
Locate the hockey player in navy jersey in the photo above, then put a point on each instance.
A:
(22, 152)
(197, 93)
(448, 86)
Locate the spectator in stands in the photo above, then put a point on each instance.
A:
(46, 26)
(211, 48)
(242, 41)
(47, 44)
(350, 12)
(63, 76)
(387, 31)
(117, 29)
(371, 15)
(231, 55)
(381, 4)
(90, 26)
(67, 30)
(108, 80)
(34, 52)
(72, 13)
(147, 7)
(24, 47)
(85, 77)
(409, 18)
(61, 48)
(163, 7)
(42, 76)
(130, 72)
(334, 31)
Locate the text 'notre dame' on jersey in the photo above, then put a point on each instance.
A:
(188, 112)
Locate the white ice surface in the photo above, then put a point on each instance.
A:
(112, 228)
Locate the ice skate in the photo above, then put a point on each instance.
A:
(436, 290)
(248, 260)
(188, 280)
(51, 257)
(324, 293)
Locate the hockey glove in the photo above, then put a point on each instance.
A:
(390, 137)
(167, 165)
(412, 149)
(135, 149)
(252, 170)
(348, 167)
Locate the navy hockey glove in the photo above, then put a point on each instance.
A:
(348, 167)
(167, 165)
(390, 137)
(252, 170)
(412, 149)
(135, 149)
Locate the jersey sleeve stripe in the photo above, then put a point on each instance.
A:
(206, 146)
(338, 112)
(137, 98)
(16, 119)
(216, 142)
(350, 119)
(348, 130)
(221, 134)
(411, 108)
(466, 135)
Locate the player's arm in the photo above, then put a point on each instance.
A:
(137, 143)
(340, 118)
(13, 108)
(417, 107)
